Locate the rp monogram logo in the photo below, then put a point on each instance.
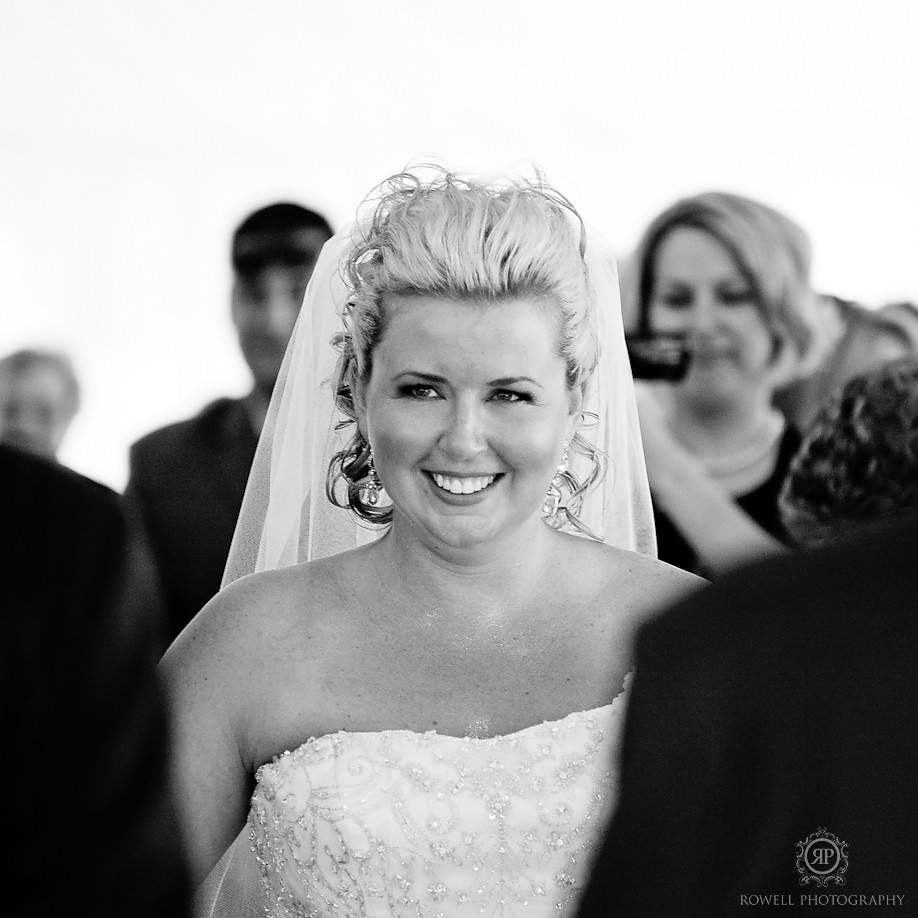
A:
(822, 857)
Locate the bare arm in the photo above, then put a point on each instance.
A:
(721, 533)
(201, 673)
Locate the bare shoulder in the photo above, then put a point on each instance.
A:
(233, 622)
(637, 582)
(655, 583)
(250, 637)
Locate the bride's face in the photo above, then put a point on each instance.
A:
(467, 411)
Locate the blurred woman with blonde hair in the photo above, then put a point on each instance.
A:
(732, 276)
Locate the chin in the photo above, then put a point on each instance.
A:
(715, 380)
(462, 538)
(480, 533)
(264, 367)
(449, 532)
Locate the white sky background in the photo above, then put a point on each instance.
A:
(134, 136)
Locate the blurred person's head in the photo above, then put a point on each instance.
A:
(855, 340)
(858, 464)
(733, 275)
(274, 251)
(903, 313)
(874, 339)
(39, 397)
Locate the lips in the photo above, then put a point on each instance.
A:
(711, 349)
(466, 484)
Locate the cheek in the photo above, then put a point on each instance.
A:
(759, 341)
(392, 447)
(537, 447)
(250, 327)
(399, 436)
(662, 318)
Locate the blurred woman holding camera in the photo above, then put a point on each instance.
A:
(731, 275)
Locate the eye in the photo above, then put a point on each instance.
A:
(419, 391)
(735, 296)
(675, 299)
(510, 396)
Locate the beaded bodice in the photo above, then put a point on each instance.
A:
(398, 823)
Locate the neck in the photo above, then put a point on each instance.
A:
(489, 581)
(738, 449)
(715, 429)
(255, 405)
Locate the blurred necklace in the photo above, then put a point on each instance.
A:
(751, 464)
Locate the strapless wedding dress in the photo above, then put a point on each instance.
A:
(426, 825)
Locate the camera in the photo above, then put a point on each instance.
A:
(659, 356)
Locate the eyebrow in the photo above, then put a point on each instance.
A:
(681, 281)
(513, 380)
(494, 383)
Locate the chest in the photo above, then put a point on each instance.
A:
(473, 680)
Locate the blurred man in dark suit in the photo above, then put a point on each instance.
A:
(770, 745)
(187, 479)
(91, 823)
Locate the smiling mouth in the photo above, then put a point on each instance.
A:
(710, 354)
(467, 485)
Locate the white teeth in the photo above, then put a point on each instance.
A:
(462, 485)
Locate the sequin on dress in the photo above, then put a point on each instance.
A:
(398, 823)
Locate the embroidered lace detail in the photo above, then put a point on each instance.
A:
(403, 824)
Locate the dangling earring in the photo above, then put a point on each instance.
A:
(552, 503)
(369, 490)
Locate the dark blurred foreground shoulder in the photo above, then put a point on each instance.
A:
(83, 713)
(868, 574)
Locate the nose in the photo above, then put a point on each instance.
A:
(464, 435)
(702, 317)
(279, 314)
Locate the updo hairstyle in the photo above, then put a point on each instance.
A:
(770, 250)
(455, 237)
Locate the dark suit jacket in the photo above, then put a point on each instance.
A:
(186, 486)
(91, 824)
(780, 700)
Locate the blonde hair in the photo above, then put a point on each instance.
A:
(458, 238)
(771, 251)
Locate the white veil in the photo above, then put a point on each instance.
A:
(286, 518)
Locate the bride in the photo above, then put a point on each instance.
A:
(417, 714)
